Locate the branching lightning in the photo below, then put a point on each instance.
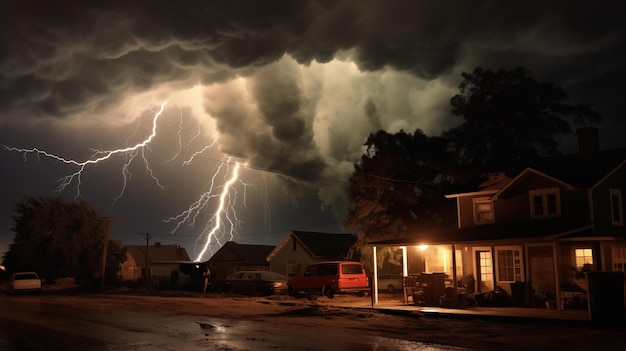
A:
(99, 156)
(223, 221)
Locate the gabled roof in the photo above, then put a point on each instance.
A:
(572, 171)
(320, 245)
(157, 253)
(524, 175)
(582, 172)
(246, 253)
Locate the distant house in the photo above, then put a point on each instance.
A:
(539, 236)
(161, 261)
(299, 249)
(234, 257)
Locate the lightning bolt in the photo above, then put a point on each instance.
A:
(222, 223)
(100, 156)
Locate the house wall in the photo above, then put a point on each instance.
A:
(514, 207)
(602, 204)
(165, 269)
(287, 255)
(226, 261)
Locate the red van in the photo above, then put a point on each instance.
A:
(330, 278)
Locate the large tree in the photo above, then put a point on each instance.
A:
(510, 119)
(397, 187)
(58, 238)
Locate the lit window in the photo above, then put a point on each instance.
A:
(584, 258)
(483, 211)
(545, 203)
(484, 260)
(509, 265)
(617, 217)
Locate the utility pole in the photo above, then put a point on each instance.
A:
(146, 264)
(105, 246)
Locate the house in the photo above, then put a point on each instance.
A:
(300, 248)
(161, 260)
(538, 237)
(234, 257)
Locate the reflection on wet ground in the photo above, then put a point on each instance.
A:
(253, 335)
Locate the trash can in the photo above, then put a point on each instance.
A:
(518, 294)
(605, 296)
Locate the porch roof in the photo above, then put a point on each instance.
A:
(517, 234)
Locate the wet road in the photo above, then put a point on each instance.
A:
(111, 323)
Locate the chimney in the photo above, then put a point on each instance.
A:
(588, 142)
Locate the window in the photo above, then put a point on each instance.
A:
(484, 261)
(583, 258)
(619, 258)
(483, 211)
(291, 269)
(545, 203)
(617, 217)
(510, 265)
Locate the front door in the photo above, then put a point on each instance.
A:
(484, 270)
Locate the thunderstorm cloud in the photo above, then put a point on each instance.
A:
(289, 87)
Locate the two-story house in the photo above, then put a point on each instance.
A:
(534, 235)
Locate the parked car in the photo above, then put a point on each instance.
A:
(390, 282)
(256, 283)
(330, 278)
(24, 282)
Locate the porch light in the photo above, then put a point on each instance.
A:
(422, 247)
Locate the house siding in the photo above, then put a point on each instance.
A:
(602, 204)
(285, 255)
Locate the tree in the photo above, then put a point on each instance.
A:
(396, 188)
(59, 239)
(510, 120)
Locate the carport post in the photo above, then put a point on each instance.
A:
(375, 279)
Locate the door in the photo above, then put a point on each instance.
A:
(484, 270)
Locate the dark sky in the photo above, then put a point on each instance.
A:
(288, 89)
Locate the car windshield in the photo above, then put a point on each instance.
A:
(27, 276)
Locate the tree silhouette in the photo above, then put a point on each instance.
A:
(396, 188)
(510, 120)
(57, 238)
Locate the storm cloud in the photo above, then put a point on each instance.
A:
(293, 87)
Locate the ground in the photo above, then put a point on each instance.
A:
(284, 323)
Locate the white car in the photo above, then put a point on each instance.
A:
(390, 282)
(24, 282)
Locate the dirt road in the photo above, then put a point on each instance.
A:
(141, 322)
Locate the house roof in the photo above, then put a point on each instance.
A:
(582, 172)
(320, 245)
(246, 253)
(548, 232)
(158, 253)
(572, 171)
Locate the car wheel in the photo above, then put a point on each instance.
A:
(291, 291)
(328, 292)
